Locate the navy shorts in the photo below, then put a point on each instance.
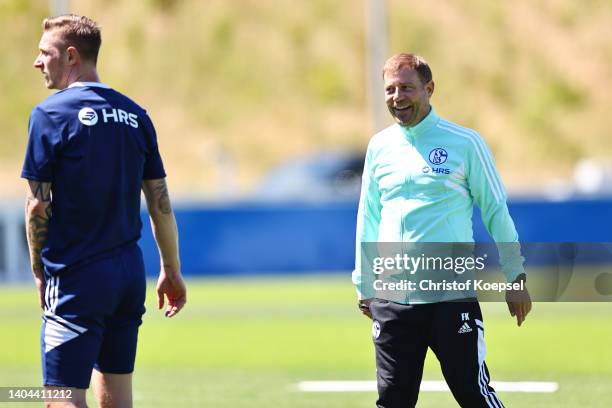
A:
(91, 319)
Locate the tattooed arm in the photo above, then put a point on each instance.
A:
(170, 283)
(37, 216)
(162, 221)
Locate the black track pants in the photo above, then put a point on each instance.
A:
(455, 333)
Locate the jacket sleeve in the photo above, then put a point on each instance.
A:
(368, 221)
(489, 194)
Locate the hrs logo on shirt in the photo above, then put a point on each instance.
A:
(89, 117)
(437, 170)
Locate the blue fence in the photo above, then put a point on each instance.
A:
(250, 238)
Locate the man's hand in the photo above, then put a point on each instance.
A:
(170, 284)
(519, 301)
(364, 306)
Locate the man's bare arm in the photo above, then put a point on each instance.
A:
(37, 216)
(163, 223)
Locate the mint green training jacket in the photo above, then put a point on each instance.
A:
(420, 184)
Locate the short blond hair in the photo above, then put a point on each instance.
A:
(411, 61)
(79, 32)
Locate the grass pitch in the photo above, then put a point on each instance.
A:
(245, 343)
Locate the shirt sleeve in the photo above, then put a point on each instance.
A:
(44, 142)
(489, 194)
(368, 221)
(153, 167)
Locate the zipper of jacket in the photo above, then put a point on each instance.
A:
(407, 185)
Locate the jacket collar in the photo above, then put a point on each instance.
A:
(429, 121)
(94, 84)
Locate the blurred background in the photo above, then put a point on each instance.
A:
(238, 87)
(263, 111)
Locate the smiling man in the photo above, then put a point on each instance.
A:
(91, 150)
(421, 179)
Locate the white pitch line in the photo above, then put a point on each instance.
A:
(426, 386)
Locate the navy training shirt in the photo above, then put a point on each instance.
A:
(95, 146)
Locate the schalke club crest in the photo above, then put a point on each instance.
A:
(438, 156)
